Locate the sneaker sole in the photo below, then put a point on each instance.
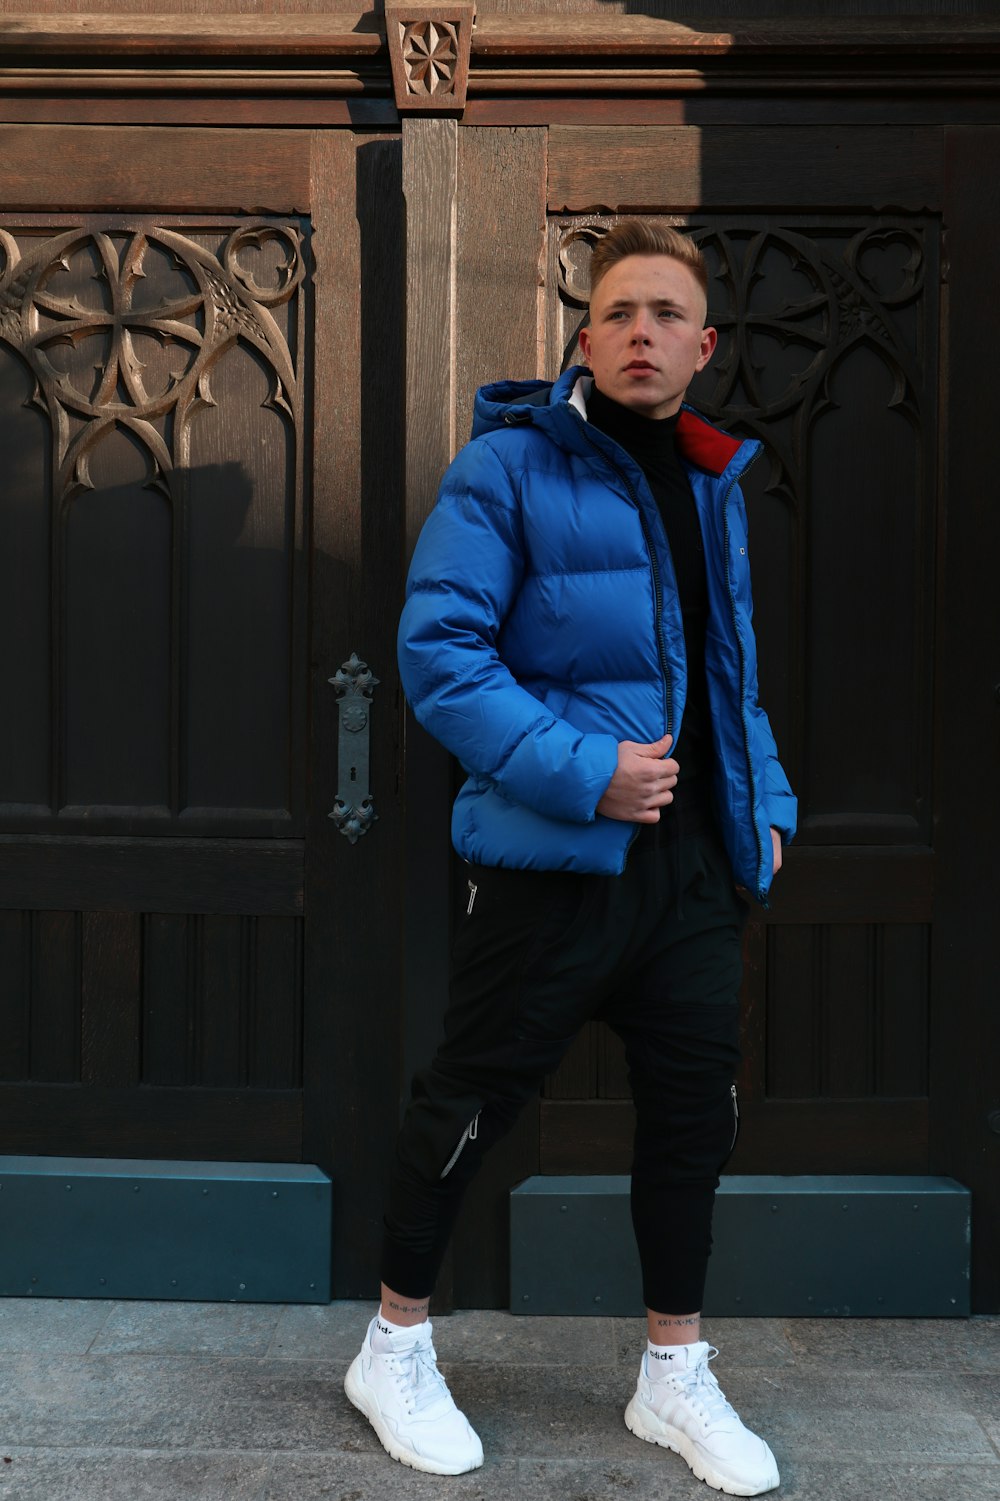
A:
(359, 1394)
(636, 1421)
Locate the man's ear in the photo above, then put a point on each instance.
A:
(709, 339)
(583, 339)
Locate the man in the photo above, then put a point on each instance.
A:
(577, 631)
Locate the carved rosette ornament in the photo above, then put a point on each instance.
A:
(429, 47)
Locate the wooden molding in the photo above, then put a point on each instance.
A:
(642, 55)
(355, 34)
(508, 36)
(431, 56)
(429, 49)
(580, 37)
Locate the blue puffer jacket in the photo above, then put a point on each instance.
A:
(542, 626)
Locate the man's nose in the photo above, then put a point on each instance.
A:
(641, 333)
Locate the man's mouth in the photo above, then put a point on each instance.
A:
(640, 365)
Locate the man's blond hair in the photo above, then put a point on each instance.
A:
(638, 237)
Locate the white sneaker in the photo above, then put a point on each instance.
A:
(406, 1399)
(684, 1410)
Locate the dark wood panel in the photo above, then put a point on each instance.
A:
(793, 1062)
(250, 1125)
(25, 561)
(612, 1069)
(112, 599)
(222, 1001)
(965, 1028)
(576, 1076)
(168, 997)
(290, 100)
(15, 994)
(768, 79)
(848, 1061)
(90, 168)
(846, 1010)
(152, 875)
(833, 1136)
(827, 108)
(902, 1017)
(221, 1026)
(162, 104)
(881, 445)
(754, 1010)
(55, 997)
(787, 1136)
(664, 169)
(836, 884)
(243, 674)
(275, 1046)
(111, 997)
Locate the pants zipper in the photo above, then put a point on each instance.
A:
(470, 1133)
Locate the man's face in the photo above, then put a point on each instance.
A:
(647, 336)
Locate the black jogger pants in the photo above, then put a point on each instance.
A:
(656, 953)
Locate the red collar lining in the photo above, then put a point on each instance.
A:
(704, 445)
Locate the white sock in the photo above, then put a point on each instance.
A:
(384, 1328)
(663, 1360)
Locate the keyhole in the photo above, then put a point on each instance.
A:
(354, 773)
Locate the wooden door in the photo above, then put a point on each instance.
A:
(827, 248)
(188, 559)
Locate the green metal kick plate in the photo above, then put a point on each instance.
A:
(224, 1232)
(873, 1247)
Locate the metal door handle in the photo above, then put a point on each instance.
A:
(353, 812)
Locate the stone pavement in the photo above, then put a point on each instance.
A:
(169, 1401)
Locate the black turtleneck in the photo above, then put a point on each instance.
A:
(650, 442)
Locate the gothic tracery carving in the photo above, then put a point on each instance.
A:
(215, 301)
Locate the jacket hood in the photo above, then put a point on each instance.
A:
(558, 407)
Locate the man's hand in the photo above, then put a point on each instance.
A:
(643, 782)
(776, 847)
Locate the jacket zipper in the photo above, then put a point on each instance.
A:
(743, 685)
(736, 1118)
(657, 585)
(469, 1134)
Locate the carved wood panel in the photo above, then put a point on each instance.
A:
(153, 607)
(150, 387)
(156, 998)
